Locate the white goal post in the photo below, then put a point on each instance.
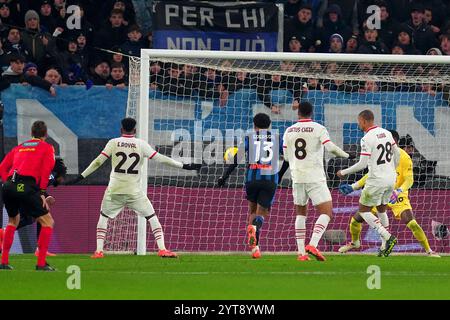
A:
(394, 86)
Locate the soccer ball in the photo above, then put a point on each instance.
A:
(230, 153)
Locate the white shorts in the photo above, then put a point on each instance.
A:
(373, 196)
(113, 204)
(318, 192)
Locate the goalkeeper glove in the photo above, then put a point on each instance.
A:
(394, 195)
(192, 166)
(75, 180)
(346, 189)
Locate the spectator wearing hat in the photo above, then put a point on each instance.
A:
(404, 39)
(389, 26)
(15, 74)
(47, 18)
(291, 7)
(84, 50)
(295, 45)
(349, 12)
(134, 44)
(434, 52)
(101, 73)
(5, 14)
(301, 27)
(422, 35)
(371, 44)
(352, 44)
(118, 77)
(333, 24)
(336, 43)
(38, 43)
(30, 69)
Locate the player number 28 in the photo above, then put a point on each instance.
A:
(385, 149)
(122, 161)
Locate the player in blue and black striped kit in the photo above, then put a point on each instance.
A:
(263, 149)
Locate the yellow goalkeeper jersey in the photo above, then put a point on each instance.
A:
(405, 175)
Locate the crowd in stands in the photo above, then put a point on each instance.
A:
(38, 48)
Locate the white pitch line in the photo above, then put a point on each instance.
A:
(287, 273)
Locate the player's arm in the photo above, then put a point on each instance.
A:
(228, 171)
(243, 146)
(48, 162)
(6, 164)
(156, 156)
(95, 164)
(283, 151)
(361, 164)
(346, 188)
(396, 154)
(330, 146)
(406, 170)
(407, 173)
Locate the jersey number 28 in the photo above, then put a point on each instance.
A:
(385, 149)
(122, 161)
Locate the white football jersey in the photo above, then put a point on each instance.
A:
(303, 148)
(378, 145)
(128, 156)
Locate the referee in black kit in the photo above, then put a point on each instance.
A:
(25, 172)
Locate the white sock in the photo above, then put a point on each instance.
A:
(255, 249)
(102, 228)
(375, 223)
(157, 232)
(319, 228)
(385, 223)
(300, 233)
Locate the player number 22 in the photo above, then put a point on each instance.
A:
(122, 161)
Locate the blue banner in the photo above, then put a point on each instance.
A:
(94, 113)
(76, 117)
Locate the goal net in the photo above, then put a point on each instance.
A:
(201, 103)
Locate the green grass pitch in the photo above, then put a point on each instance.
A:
(229, 277)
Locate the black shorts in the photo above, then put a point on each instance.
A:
(261, 192)
(24, 197)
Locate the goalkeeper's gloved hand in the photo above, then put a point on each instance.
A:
(394, 195)
(221, 182)
(345, 188)
(192, 166)
(75, 180)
